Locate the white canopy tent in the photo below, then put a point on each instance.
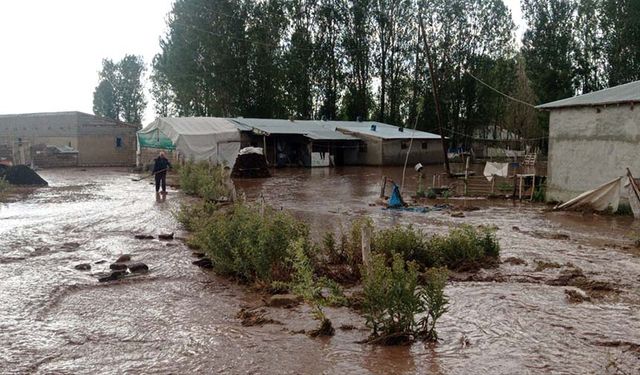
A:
(212, 139)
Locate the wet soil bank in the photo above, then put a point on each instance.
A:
(177, 318)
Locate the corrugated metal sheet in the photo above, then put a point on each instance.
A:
(332, 130)
(383, 131)
(626, 93)
(315, 130)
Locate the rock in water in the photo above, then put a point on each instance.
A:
(138, 267)
(203, 263)
(118, 266)
(284, 300)
(143, 237)
(115, 275)
(123, 258)
(165, 236)
(83, 267)
(23, 175)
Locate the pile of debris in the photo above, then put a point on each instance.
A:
(21, 175)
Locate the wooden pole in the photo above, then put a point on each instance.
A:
(383, 186)
(434, 85)
(366, 247)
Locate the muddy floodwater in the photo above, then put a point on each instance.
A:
(177, 318)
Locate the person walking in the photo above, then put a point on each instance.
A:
(160, 166)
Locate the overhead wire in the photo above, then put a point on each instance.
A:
(500, 92)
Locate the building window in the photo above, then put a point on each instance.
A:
(425, 145)
(404, 145)
(362, 147)
(118, 142)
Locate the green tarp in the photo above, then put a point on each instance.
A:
(155, 139)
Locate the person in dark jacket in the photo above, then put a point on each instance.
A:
(160, 166)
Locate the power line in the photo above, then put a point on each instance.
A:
(501, 93)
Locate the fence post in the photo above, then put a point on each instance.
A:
(365, 234)
(383, 186)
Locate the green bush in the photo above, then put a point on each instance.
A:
(351, 243)
(464, 248)
(203, 180)
(253, 247)
(393, 300)
(306, 285)
(431, 194)
(539, 194)
(194, 216)
(4, 186)
(432, 293)
(406, 241)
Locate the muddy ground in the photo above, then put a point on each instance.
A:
(564, 300)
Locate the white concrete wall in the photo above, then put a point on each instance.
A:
(588, 148)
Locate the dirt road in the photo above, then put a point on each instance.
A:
(180, 319)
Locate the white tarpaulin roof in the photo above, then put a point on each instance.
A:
(213, 139)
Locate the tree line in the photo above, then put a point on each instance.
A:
(369, 59)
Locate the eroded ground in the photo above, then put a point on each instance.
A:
(177, 318)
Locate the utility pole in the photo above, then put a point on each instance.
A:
(434, 85)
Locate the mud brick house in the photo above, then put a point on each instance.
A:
(64, 139)
(592, 139)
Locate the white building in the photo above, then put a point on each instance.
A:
(592, 139)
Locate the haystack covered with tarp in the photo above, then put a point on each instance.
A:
(212, 139)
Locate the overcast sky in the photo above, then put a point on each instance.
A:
(52, 50)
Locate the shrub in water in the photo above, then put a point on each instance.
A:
(4, 186)
(203, 180)
(431, 194)
(393, 301)
(405, 241)
(464, 248)
(432, 293)
(253, 247)
(351, 243)
(306, 286)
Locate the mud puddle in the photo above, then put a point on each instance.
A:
(178, 318)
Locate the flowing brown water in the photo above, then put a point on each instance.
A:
(180, 319)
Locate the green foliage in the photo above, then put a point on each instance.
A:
(463, 248)
(305, 285)
(393, 300)
(4, 186)
(432, 293)
(504, 187)
(390, 301)
(405, 241)
(621, 29)
(351, 242)
(539, 195)
(120, 92)
(203, 180)
(194, 216)
(420, 193)
(252, 247)
(431, 194)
